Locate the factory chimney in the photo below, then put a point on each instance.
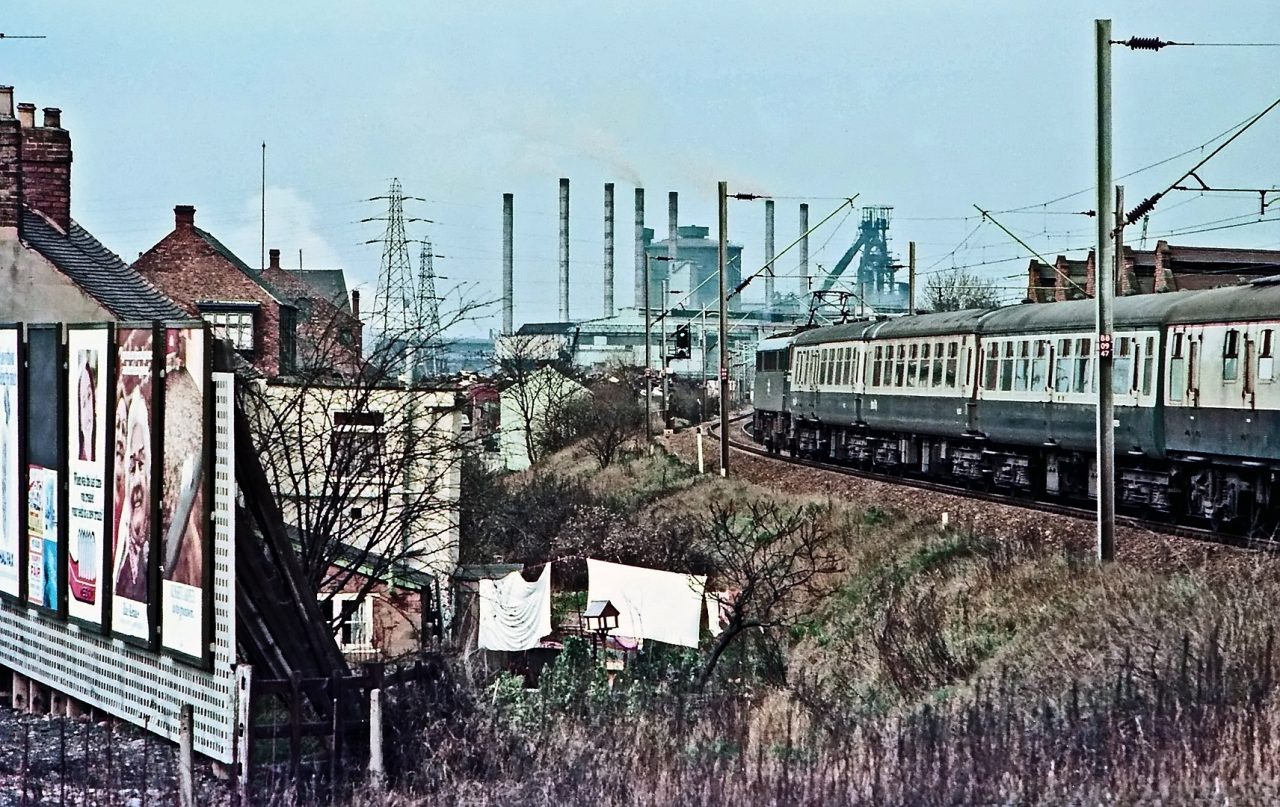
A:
(564, 249)
(639, 284)
(768, 254)
(804, 250)
(508, 204)
(608, 249)
(673, 232)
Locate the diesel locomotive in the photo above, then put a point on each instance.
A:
(1005, 399)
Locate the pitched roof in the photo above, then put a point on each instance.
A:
(331, 283)
(98, 270)
(234, 260)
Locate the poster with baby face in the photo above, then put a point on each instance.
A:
(44, 459)
(88, 448)
(184, 516)
(133, 489)
(11, 500)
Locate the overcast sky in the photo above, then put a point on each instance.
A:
(919, 105)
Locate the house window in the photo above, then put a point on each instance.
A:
(234, 326)
(288, 339)
(1231, 356)
(352, 620)
(357, 443)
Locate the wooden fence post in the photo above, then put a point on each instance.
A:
(244, 730)
(186, 757)
(377, 773)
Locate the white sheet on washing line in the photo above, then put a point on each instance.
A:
(514, 614)
(652, 604)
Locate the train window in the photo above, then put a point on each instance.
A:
(937, 363)
(926, 350)
(844, 365)
(759, 362)
(1006, 367)
(1022, 366)
(857, 359)
(1039, 365)
(900, 366)
(850, 362)
(1266, 362)
(913, 365)
(1062, 367)
(1231, 356)
(1122, 366)
(953, 350)
(1083, 365)
(991, 369)
(784, 359)
(876, 365)
(1148, 364)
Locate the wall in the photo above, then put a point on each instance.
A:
(531, 402)
(33, 290)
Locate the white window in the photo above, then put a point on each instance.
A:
(1266, 362)
(352, 620)
(235, 326)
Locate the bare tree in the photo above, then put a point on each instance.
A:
(770, 559)
(606, 420)
(957, 289)
(365, 462)
(539, 386)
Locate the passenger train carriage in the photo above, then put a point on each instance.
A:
(1006, 398)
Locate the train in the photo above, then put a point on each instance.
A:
(1005, 399)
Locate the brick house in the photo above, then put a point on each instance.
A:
(330, 334)
(1168, 267)
(51, 268)
(209, 281)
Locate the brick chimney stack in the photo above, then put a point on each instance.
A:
(10, 162)
(184, 217)
(273, 259)
(46, 165)
(355, 303)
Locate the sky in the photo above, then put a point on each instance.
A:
(929, 107)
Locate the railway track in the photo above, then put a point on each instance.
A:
(739, 440)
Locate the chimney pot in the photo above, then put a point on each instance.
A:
(184, 216)
(52, 117)
(355, 303)
(273, 258)
(6, 101)
(27, 115)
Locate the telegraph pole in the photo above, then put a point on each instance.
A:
(723, 192)
(1104, 294)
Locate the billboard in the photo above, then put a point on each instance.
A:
(11, 500)
(185, 528)
(88, 460)
(44, 459)
(134, 478)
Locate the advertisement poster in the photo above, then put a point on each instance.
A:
(44, 374)
(87, 356)
(132, 485)
(10, 499)
(184, 519)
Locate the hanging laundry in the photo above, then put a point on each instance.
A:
(652, 604)
(515, 614)
(719, 610)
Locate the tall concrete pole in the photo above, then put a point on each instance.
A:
(648, 360)
(768, 254)
(723, 191)
(641, 281)
(508, 220)
(608, 249)
(673, 231)
(1104, 292)
(564, 249)
(804, 250)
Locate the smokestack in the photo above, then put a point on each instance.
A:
(608, 249)
(564, 249)
(768, 253)
(273, 259)
(804, 249)
(673, 232)
(639, 284)
(508, 287)
(355, 303)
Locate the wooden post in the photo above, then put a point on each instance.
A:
(244, 731)
(186, 757)
(377, 773)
